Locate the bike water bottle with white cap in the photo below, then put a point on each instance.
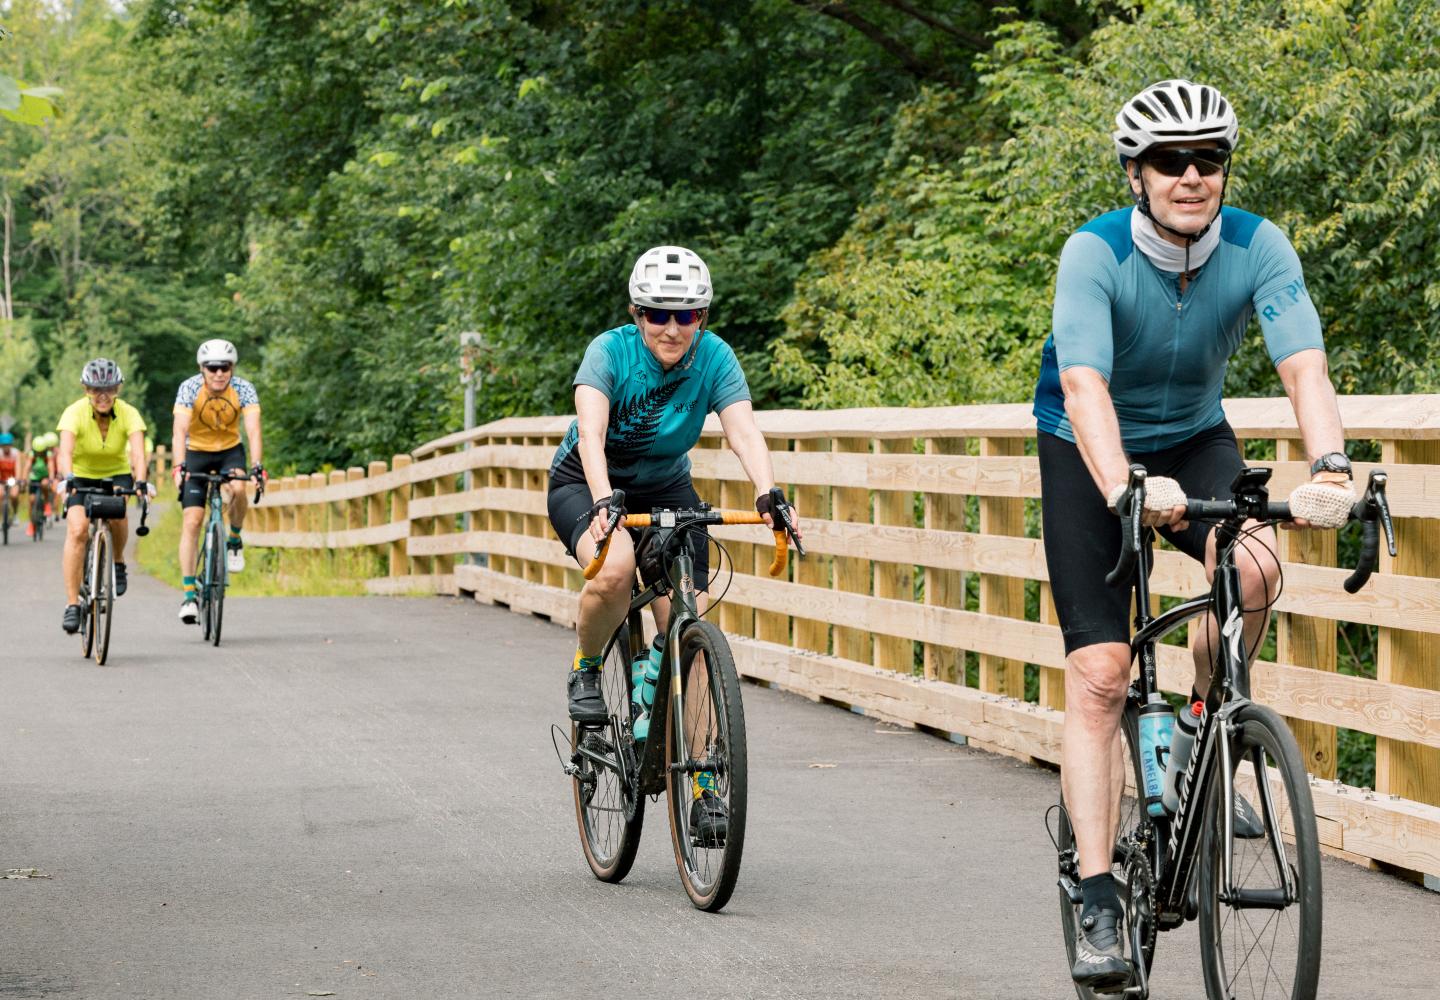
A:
(1157, 719)
(1182, 743)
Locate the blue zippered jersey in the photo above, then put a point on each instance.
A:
(1164, 354)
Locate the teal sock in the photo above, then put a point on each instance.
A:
(189, 582)
(234, 531)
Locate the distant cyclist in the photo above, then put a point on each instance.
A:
(38, 469)
(209, 409)
(101, 437)
(9, 468)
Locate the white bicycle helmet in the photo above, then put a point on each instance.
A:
(670, 278)
(102, 373)
(213, 351)
(1173, 111)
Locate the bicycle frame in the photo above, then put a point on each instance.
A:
(1173, 857)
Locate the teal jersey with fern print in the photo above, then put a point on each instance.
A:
(655, 415)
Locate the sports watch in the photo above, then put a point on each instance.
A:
(1334, 461)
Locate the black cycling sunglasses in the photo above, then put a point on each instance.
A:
(662, 316)
(220, 367)
(1174, 162)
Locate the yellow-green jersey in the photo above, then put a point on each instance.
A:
(97, 456)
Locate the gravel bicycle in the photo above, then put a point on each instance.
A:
(701, 716)
(1257, 896)
(103, 504)
(212, 576)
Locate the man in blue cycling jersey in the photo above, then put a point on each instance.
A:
(1150, 303)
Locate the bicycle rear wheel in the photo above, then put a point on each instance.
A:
(1129, 864)
(102, 602)
(1262, 939)
(609, 810)
(708, 737)
(5, 517)
(215, 574)
(37, 507)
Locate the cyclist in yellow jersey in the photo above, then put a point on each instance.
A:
(101, 437)
(209, 408)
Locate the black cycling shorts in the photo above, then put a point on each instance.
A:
(570, 503)
(73, 499)
(210, 463)
(1082, 534)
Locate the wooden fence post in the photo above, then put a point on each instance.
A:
(1410, 770)
(1305, 641)
(852, 505)
(895, 580)
(1002, 595)
(945, 588)
(737, 619)
(773, 626)
(813, 502)
(400, 511)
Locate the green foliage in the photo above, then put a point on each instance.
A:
(952, 259)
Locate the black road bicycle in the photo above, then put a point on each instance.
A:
(211, 574)
(103, 504)
(7, 515)
(697, 725)
(39, 490)
(1257, 897)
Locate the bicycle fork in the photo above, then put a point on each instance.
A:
(1255, 899)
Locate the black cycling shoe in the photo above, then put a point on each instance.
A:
(1099, 960)
(121, 579)
(587, 703)
(709, 820)
(71, 622)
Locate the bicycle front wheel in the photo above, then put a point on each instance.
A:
(216, 573)
(609, 810)
(87, 588)
(102, 580)
(1260, 935)
(1129, 863)
(5, 518)
(706, 782)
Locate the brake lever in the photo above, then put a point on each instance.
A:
(778, 504)
(1375, 495)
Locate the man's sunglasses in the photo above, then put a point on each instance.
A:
(1174, 162)
(662, 316)
(217, 368)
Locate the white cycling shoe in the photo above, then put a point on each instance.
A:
(235, 560)
(189, 613)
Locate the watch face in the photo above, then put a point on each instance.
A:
(1333, 462)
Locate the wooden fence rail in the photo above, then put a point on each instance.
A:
(925, 599)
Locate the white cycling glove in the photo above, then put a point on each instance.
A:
(1324, 505)
(1161, 495)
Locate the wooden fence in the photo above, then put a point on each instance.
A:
(925, 598)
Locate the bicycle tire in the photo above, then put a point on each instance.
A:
(1134, 825)
(5, 517)
(87, 630)
(38, 523)
(610, 814)
(202, 587)
(1244, 956)
(216, 603)
(103, 594)
(713, 726)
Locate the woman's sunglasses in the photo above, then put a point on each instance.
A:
(217, 368)
(662, 316)
(1174, 162)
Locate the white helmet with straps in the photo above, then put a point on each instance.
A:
(670, 278)
(1173, 111)
(213, 351)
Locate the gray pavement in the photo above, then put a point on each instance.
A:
(358, 797)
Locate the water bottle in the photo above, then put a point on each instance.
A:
(644, 672)
(1181, 745)
(1157, 720)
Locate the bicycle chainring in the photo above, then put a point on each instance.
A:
(1140, 906)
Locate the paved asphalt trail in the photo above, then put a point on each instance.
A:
(358, 797)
